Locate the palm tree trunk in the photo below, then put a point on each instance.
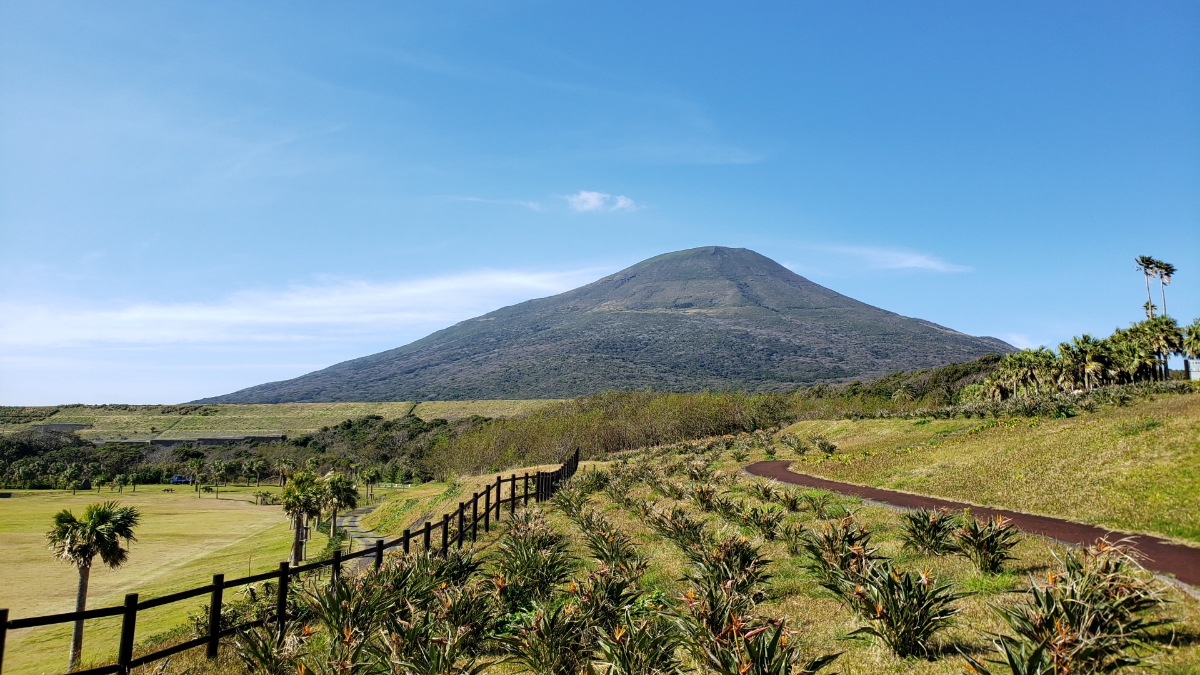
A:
(80, 605)
(1148, 300)
(333, 524)
(297, 542)
(1163, 289)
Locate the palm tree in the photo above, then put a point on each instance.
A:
(258, 467)
(1164, 338)
(371, 476)
(1164, 270)
(339, 493)
(1147, 266)
(301, 500)
(79, 541)
(1190, 345)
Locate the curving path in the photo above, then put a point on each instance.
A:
(1183, 562)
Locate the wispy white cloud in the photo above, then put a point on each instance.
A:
(896, 259)
(531, 205)
(587, 200)
(332, 311)
(1021, 341)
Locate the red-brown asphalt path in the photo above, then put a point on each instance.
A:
(1161, 556)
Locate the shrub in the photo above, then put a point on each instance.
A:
(530, 560)
(743, 649)
(570, 500)
(764, 490)
(790, 500)
(1091, 617)
(552, 643)
(611, 546)
(677, 526)
(903, 609)
(703, 495)
(765, 519)
(839, 554)
(822, 505)
(988, 545)
(928, 532)
(640, 646)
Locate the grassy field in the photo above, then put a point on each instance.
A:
(147, 422)
(825, 623)
(1134, 468)
(182, 541)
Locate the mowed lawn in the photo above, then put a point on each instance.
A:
(182, 541)
(1134, 468)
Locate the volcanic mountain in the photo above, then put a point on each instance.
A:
(706, 318)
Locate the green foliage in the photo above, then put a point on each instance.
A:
(928, 532)
(643, 645)
(97, 533)
(1093, 616)
(839, 554)
(989, 545)
(530, 559)
(903, 609)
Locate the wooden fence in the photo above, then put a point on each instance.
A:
(454, 529)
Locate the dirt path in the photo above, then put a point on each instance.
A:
(1162, 556)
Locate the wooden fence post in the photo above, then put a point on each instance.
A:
(512, 489)
(526, 488)
(407, 537)
(426, 535)
(487, 509)
(462, 522)
(3, 635)
(335, 570)
(128, 626)
(378, 554)
(281, 602)
(499, 502)
(214, 616)
(475, 517)
(445, 533)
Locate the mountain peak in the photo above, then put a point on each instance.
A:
(706, 278)
(703, 318)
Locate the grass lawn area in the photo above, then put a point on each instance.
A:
(1133, 468)
(182, 541)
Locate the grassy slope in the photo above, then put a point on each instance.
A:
(141, 423)
(824, 622)
(1135, 468)
(181, 543)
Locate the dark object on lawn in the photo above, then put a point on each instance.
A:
(180, 480)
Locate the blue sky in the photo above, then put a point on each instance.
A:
(199, 197)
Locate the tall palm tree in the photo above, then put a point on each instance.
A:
(1163, 270)
(301, 500)
(79, 540)
(1146, 265)
(339, 493)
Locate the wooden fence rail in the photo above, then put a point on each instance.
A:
(453, 530)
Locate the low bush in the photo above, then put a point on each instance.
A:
(989, 545)
(928, 532)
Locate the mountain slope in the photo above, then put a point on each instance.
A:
(704, 318)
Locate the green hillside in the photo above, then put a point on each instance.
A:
(166, 422)
(708, 318)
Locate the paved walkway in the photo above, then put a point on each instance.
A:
(1161, 556)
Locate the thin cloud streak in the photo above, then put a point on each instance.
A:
(332, 312)
(897, 259)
